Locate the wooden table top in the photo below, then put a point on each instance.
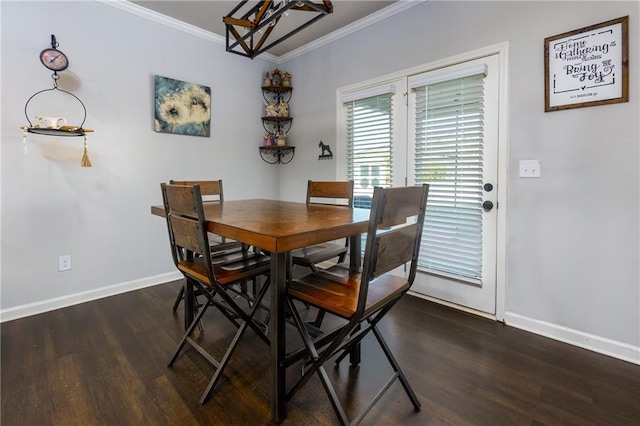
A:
(281, 226)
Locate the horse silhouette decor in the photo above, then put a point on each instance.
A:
(325, 153)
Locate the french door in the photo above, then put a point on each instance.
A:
(439, 127)
(453, 141)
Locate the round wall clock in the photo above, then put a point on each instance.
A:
(54, 59)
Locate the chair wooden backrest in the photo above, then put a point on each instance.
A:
(186, 224)
(394, 234)
(211, 190)
(338, 192)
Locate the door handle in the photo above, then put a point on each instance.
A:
(487, 206)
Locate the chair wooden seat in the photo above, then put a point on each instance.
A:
(230, 256)
(226, 252)
(235, 270)
(318, 253)
(336, 290)
(247, 263)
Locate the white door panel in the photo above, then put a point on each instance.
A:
(476, 292)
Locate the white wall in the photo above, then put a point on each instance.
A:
(100, 215)
(573, 235)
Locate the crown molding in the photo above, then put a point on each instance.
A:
(391, 10)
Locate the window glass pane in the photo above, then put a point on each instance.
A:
(369, 151)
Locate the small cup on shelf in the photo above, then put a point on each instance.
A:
(50, 122)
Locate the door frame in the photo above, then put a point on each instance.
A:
(502, 50)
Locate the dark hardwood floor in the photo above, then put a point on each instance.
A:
(104, 363)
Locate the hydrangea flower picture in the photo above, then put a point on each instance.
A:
(181, 107)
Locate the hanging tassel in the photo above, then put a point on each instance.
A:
(24, 141)
(85, 158)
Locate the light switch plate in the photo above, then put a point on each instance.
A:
(530, 168)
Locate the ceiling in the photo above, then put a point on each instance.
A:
(208, 14)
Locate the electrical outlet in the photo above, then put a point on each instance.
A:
(64, 263)
(529, 168)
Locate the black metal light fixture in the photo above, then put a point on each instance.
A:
(247, 35)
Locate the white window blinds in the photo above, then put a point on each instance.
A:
(449, 143)
(369, 150)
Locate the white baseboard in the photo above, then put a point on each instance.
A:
(85, 296)
(602, 345)
(613, 348)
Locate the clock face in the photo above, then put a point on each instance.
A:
(54, 59)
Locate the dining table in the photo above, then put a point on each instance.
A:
(278, 227)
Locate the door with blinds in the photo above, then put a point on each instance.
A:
(439, 127)
(453, 138)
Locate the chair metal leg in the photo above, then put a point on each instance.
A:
(320, 315)
(319, 318)
(357, 333)
(223, 364)
(396, 367)
(333, 396)
(232, 347)
(317, 365)
(178, 298)
(192, 326)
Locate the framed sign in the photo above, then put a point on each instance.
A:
(587, 67)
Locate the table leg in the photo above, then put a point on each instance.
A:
(355, 251)
(277, 334)
(355, 262)
(189, 308)
(189, 297)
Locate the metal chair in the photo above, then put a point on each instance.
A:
(212, 192)
(338, 193)
(192, 256)
(361, 299)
